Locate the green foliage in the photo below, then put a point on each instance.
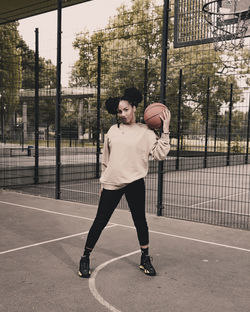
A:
(47, 79)
(236, 146)
(125, 44)
(17, 71)
(47, 71)
(10, 74)
(135, 34)
(238, 125)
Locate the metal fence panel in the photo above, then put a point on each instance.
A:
(206, 174)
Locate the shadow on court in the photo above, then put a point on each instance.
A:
(200, 267)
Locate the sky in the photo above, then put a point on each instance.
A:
(90, 16)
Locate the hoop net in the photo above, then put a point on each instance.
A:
(228, 26)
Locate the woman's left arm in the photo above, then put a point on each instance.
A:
(162, 145)
(166, 117)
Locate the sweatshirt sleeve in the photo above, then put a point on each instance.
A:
(105, 153)
(161, 147)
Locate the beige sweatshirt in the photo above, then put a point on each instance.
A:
(126, 153)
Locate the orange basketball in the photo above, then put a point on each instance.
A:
(152, 115)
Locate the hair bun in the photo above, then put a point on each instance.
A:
(133, 95)
(111, 105)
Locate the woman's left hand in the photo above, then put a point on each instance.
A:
(165, 117)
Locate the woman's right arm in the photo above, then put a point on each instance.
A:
(105, 153)
(105, 156)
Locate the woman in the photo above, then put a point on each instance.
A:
(126, 151)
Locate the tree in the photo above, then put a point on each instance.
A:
(238, 124)
(47, 71)
(10, 74)
(47, 79)
(134, 35)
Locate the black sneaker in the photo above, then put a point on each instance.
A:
(147, 266)
(84, 270)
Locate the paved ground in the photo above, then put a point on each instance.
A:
(200, 267)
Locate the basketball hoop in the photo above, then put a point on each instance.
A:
(228, 23)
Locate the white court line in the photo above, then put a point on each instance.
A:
(92, 284)
(42, 243)
(208, 209)
(48, 241)
(71, 190)
(82, 182)
(132, 227)
(199, 241)
(65, 189)
(219, 198)
(45, 210)
(92, 279)
(213, 200)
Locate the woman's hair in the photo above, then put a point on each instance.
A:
(132, 95)
(111, 105)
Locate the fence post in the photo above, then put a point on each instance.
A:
(2, 119)
(215, 129)
(36, 176)
(70, 135)
(207, 117)
(22, 135)
(58, 99)
(248, 132)
(179, 122)
(163, 96)
(24, 122)
(145, 96)
(98, 113)
(230, 125)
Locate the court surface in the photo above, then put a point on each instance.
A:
(200, 267)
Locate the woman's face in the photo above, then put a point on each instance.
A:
(126, 112)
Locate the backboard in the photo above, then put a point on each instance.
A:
(206, 21)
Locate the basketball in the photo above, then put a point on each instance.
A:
(152, 115)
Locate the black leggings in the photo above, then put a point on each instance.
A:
(135, 196)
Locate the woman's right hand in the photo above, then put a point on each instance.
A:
(101, 189)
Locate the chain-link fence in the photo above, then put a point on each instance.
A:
(206, 174)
